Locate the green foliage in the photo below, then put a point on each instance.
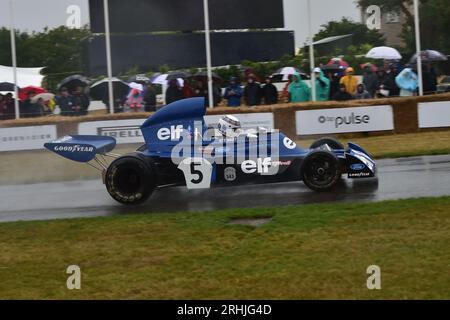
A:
(132, 71)
(164, 68)
(59, 50)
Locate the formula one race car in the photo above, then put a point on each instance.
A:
(180, 149)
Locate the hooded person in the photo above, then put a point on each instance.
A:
(270, 92)
(362, 93)
(173, 92)
(252, 91)
(370, 79)
(233, 93)
(350, 81)
(342, 94)
(322, 86)
(298, 90)
(407, 82)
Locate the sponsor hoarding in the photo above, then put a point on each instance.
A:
(26, 138)
(124, 131)
(434, 114)
(342, 120)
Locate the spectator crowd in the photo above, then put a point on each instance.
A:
(330, 85)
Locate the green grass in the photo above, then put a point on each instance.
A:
(305, 252)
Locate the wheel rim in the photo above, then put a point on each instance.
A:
(127, 181)
(321, 171)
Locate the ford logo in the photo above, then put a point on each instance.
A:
(357, 166)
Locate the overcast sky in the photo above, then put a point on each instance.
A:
(30, 16)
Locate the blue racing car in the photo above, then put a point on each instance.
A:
(180, 149)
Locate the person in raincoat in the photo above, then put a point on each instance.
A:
(322, 86)
(233, 93)
(135, 101)
(298, 90)
(350, 81)
(407, 82)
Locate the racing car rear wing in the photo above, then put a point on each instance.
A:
(82, 148)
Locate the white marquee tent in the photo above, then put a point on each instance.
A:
(25, 76)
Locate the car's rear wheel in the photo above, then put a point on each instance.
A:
(332, 143)
(142, 148)
(321, 170)
(130, 179)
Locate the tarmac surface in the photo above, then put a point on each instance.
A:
(397, 179)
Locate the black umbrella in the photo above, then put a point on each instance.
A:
(203, 77)
(177, 75)
(429, 56)
(139, 78)
(72, 82)
(7, 86)
(99, 90)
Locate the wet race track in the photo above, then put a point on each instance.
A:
(398, 178)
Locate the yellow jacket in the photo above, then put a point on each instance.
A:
(350, 83)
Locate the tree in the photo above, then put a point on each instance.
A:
(361, 34)
(59, 50)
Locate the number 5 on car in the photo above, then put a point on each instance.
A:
(197, 172)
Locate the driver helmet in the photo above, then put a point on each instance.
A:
(229, 126)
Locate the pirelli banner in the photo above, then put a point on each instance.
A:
(344, 120)
(124, 131)
(129, 132)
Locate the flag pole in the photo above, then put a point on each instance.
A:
(311, 52)
(418, 46)
(208, 53)
(14, 59)
(108, 56)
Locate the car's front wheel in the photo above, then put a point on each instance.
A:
(331, 142)
(130, 179)
(321, 170)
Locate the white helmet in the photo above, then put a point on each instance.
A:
(229, 126)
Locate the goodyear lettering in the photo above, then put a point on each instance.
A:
(74, 148)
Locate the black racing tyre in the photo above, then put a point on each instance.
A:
(130, 179)
(332, 143)
(321, 170)
(142, 148)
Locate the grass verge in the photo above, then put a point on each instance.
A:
(305, 252)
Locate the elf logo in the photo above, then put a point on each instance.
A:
(260, 165)
(172, 133)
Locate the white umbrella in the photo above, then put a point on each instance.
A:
(162, 80)
(138, 86)
(44, 96)
(386, 53)
(285, 72)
